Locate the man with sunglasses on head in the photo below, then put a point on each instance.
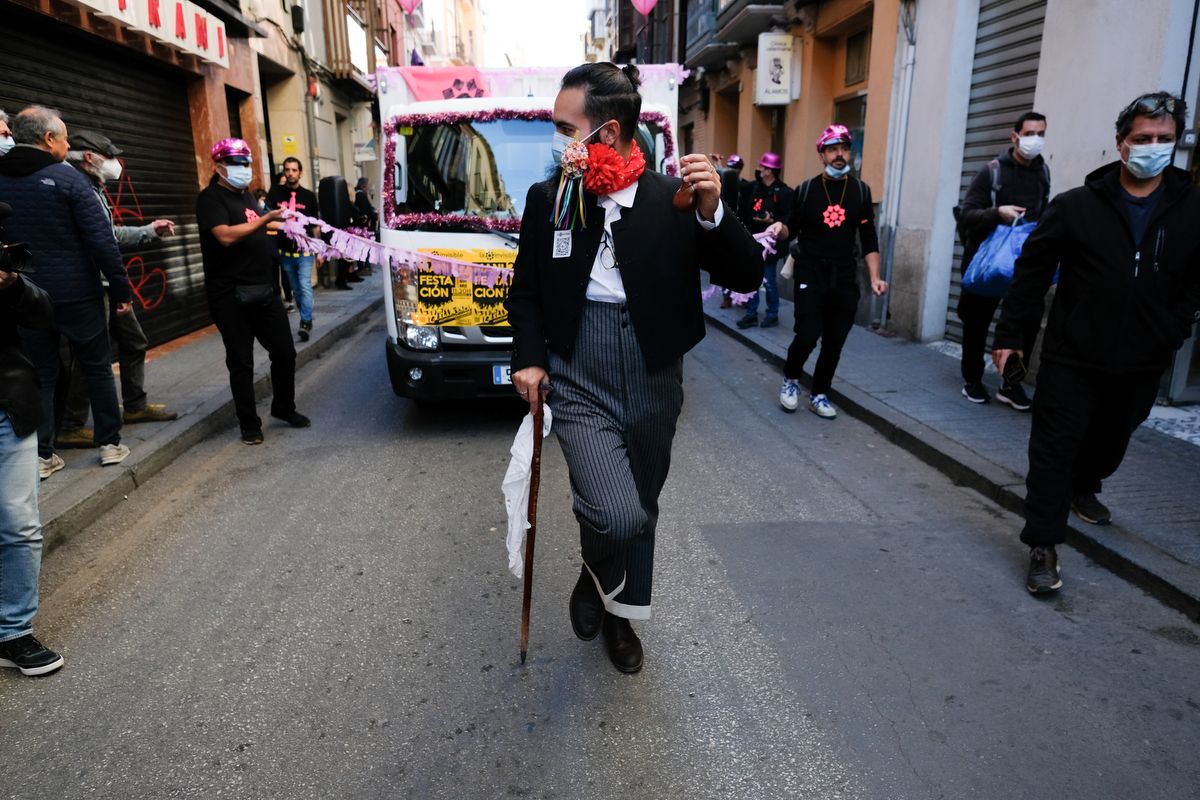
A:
(1127, 249)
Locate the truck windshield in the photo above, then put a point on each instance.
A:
(478, 168)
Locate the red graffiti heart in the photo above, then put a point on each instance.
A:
(149, 285)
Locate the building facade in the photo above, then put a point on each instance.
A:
(164, 79)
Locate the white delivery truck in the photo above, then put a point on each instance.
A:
(461, 147)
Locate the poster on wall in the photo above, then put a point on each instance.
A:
(773, 78)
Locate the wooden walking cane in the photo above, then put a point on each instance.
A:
(535, 475)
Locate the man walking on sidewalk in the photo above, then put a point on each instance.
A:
(1127, 248)
(21, 303)
(243, 295)
(830, 214)
(56, 212)
(96, 157)
(605, 307)
(295, 261)
(766, 200)
(1014, 184)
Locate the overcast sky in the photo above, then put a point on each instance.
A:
(533, 33)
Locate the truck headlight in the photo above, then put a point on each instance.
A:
(420, 337)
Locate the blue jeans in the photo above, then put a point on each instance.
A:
(20, 531)
(770, 277)
(299, 274)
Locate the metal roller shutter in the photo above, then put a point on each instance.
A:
(142, 106)
(1008, 46)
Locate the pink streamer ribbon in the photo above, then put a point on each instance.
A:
(768, 245)
(353, 247)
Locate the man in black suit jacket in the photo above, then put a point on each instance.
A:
(603, 314)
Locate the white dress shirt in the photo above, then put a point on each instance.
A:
(606, 285)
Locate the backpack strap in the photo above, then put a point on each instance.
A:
(803, 191)
(994, 170)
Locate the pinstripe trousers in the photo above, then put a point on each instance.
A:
(615, 421)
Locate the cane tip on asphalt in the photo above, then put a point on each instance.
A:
(523, 654)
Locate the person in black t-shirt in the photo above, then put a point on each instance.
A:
(829, 213)
(243, 293)
(296, 262)
(766, 200)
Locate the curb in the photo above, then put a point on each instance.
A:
(1121, 552)
(77, 506)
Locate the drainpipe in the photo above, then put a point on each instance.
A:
(310, 117)
(896, 148)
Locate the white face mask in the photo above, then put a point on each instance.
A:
(1147, 160)
(6, 144)
(238, 175)
(560, 142)
(1030, 146)
(110, 170)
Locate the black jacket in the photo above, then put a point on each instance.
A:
(1020, 185)
(1120, 307)
(28, 306)
(661, 252)
(760, 205)
(732, 186)
(56, 212)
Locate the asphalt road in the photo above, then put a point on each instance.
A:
(329, 615)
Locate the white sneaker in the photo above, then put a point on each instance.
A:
(112, 454)
(821, 406)
(789, 395)
(51, 465)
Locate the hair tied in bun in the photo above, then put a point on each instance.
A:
(631, 72)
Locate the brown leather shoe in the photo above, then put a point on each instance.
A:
(80, 438)
(586, 607)
(624, 646)
(153, 412)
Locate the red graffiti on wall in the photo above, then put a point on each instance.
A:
(149, 284)
(126, 208)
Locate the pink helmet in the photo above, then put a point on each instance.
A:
(834, 134)
(233, 148)
(771, 161)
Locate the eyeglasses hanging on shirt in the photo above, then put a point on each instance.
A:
(607, 255)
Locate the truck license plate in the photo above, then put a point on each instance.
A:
(501, 374)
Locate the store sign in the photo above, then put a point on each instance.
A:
(773, 78)
(180, 24)
(123, 11)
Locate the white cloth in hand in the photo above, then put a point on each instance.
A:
(517, 481)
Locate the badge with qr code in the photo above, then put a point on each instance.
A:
(562, 244)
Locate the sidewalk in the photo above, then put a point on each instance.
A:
(189, 375)
(912, 394)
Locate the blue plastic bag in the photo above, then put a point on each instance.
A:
(991, 270)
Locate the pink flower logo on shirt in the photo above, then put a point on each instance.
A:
(251, 215)
(834, 215)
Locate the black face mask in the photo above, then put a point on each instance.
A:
(758, 174)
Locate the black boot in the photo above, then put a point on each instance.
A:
(624, 646)
(586, 607)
